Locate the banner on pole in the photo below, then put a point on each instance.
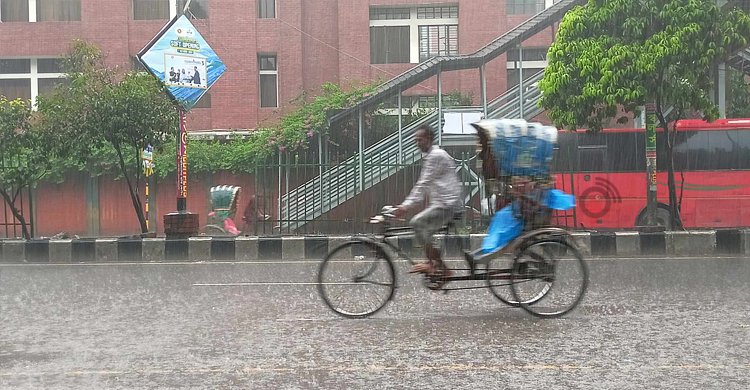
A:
(180, 57)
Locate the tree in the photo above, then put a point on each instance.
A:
(621, 54)
(111, 112)
(739, 91)
(26, 154)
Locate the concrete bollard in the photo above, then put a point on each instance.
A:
(583, 240)
(628, 243)
(691, 243)
(199, 248)
(293, 248)
(316, 247)
(336, 241)
(246, 248)
(60, 251)
(105, 249)
(745, 242)
(153, 249)
(14, 251)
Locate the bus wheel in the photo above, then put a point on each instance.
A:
(663, 217)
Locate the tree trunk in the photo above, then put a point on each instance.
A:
(133, 189)
(135, 198)
(674, 209)
(16, 213)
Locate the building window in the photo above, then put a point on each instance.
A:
(46, 10)
(268, 80)
(28, 78)
(49, 65)
(12, 66)
(47, 85)
(15, 88)
(410, 35)
(529, 54)
(266, 9)
(524, 7)
(198, 8)
(168, 9)
(534, 61)
(389, 13)
(58, 10)
(438, 41)
(389, 45)
(14, 11)
(151, 9)
(442, 12)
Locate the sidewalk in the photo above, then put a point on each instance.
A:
(625, 243)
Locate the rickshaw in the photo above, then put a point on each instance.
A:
(223, 200)
(523, 260)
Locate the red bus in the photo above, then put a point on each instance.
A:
(606, 172)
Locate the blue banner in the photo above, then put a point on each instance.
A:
(183, 61)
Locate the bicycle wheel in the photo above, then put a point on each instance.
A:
(554, 263)
(356, 279)
(499, 282)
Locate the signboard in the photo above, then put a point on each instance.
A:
(460, 122)
(148, 160)
(180, 57)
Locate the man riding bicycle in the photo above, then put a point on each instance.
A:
(439, 182)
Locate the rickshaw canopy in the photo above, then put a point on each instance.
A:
(520, 148)
(224, 200)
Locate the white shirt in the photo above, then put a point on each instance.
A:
(438, 180)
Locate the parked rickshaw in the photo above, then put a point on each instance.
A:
(223, 200)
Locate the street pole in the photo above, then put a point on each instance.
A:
(182, 164)
(651, 164)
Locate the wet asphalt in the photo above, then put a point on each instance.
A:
(643, 324)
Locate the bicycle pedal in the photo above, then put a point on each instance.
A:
(434, 282)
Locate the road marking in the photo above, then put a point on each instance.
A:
(256, 284)
(273, 284)
(384, 368)
(317, 261)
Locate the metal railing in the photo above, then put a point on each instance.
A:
(381, 160)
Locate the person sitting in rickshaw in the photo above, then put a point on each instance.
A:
(437, 180)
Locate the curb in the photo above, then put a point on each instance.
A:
(625, 243)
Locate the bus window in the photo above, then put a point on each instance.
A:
(565, 159)
(743, 151)
(699, 152)
(724, 149)
(592, 152)
(622, 155)
(681, 151)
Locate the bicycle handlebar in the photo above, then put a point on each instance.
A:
(387, 212)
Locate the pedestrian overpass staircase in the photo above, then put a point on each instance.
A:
(382, 160)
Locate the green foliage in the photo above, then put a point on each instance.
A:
(739, 92)
(109, 117)
(623, 53)
(292, 132)
(612, 54)
(26, 154)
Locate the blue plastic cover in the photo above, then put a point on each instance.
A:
(503, 229)
(520, 148)
(558, 200)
